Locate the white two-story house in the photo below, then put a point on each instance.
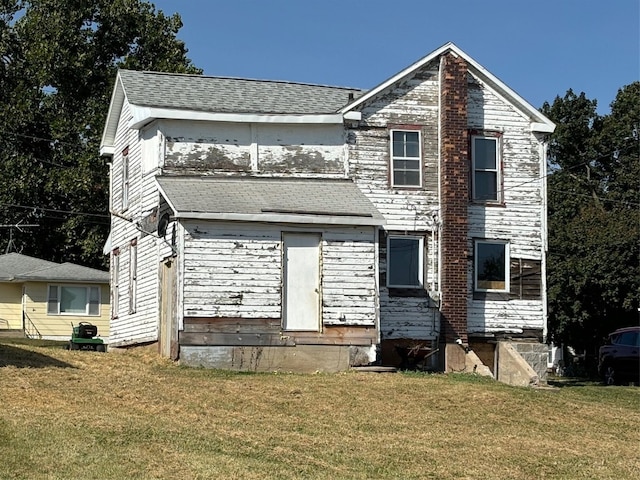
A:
(270, 225)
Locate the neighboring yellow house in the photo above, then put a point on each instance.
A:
(42, 299)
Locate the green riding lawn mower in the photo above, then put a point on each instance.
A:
(84, 337)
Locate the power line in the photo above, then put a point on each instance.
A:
(53, 210)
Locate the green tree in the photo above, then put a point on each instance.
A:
(594, 218)
(59, 60)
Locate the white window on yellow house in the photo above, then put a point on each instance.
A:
(491, 266)
(73, 300)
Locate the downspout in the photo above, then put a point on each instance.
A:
(545, 239)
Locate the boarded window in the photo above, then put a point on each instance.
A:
(526, 279)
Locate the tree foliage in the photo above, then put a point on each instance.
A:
(58, 61)
(594, 218)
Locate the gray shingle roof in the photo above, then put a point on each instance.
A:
(17, 267)
(232, 95)
(331, 201)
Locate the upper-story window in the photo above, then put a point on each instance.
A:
(485, 159)
(406, 158)
(125, 178)
(404, 261)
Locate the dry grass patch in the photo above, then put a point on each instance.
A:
(73, 415)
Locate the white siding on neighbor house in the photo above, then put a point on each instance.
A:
(58, 326)
(519, 220)
(235, 270)
(142, 325)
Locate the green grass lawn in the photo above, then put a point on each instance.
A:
(80, 415)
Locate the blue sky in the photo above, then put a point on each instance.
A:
(539, 48)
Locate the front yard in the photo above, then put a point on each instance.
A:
(77, 415)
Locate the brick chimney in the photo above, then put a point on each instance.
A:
(454, 189)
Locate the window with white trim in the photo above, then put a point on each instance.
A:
(125, 179)
(485, 156)
(405, 261)
(406, 158)
(133, 275)
(77, 300)
(491, 266)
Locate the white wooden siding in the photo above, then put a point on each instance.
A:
(235, 270)
(349, 277)
(266, 149)
(519, 221)
(143, 196)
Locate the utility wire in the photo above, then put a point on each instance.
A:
(53, 210)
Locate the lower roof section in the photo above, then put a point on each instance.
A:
(268, 199)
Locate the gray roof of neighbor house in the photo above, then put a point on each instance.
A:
(15, 267)
(269, 199)
(232, 95)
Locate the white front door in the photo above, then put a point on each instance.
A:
(301, 295)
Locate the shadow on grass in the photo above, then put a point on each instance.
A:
(574, 382)
(23, 358)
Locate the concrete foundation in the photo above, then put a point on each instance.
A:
(298, 359)
(512, 369)
(461, 359)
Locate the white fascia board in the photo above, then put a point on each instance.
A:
(113, 116)
(543, 127)
(107, 150)
(352, 115)
(282, 218)
(143, 115)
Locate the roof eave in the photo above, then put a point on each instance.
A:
(142, 115)
(107, 143)
(283, 218)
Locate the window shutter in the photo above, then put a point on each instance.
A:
(526, 279)
(94, 301)
(52, 304)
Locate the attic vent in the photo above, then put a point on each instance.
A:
(351, 96)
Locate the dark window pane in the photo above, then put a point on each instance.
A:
(485, 153)
(412, 147)
(404, 262)
(398, 149)
(490, 264)
(485, 184)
